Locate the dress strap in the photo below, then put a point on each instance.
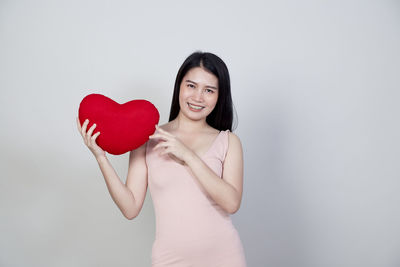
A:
(225, 144)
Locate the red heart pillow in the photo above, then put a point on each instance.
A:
(123, 127)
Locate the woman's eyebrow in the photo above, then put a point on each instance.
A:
(206, 86)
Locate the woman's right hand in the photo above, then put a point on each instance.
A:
(90, 141)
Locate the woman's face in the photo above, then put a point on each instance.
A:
(198, 93)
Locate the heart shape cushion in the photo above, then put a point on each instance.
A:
(123, 127)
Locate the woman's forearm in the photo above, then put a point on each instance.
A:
(120, 193)
(223, 193)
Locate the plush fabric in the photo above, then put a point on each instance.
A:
(123, 127)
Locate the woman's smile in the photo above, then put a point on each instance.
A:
(195, 108)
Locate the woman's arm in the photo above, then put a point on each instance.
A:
(128, 197)
(137, 178)
(226, 192)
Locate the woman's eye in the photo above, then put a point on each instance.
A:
(191, 85)
(209, 91)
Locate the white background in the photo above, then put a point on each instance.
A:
(316, 89)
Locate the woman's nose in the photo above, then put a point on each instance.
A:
(199, 95)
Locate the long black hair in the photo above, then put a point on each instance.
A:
(221, 117)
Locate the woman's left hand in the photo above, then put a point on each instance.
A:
(171, 145)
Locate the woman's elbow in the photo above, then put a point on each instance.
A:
(234, 208)
(130, 215)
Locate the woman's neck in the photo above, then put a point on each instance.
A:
(186, 125)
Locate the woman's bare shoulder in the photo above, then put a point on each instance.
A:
(233, 135)
(234, 140)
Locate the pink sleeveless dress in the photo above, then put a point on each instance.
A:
(191, 228)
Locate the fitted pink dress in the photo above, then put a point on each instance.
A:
(192, 230)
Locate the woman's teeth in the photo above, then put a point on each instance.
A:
(195, 107)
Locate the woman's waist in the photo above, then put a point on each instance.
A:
(186, 231)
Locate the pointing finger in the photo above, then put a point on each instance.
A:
(158, 135)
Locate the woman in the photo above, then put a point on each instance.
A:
(194, 168)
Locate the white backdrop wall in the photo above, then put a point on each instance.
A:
(316, 89)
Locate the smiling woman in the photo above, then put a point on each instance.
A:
(193, 166)
(196, 180)
(196, 93)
